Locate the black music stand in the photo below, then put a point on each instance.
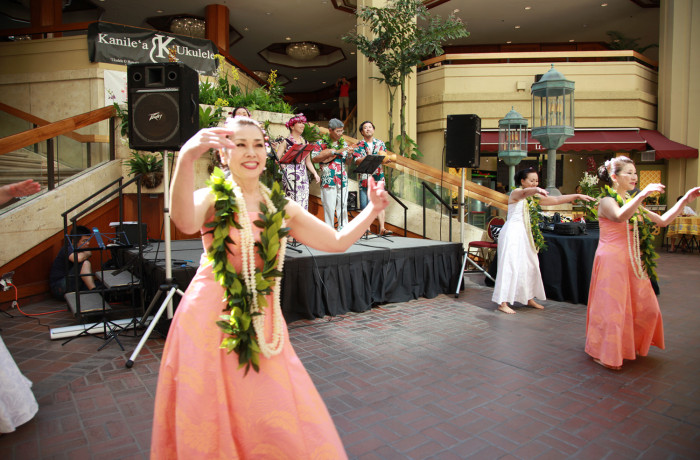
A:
(295, 155)
(369, 164)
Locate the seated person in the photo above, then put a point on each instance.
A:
(687, 212)
(61, 278)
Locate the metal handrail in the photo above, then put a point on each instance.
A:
(446, 205)
(405, 212)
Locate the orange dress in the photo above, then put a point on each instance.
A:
(206, 408)
(623, 317)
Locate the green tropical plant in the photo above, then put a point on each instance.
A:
(123, 115)
(142, 163)
(619, 42)
(224, 94)
(397, 38)
(209, 117)
(408, 146)
(311, 133)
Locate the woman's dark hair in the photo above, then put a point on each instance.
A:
(362, 125)
(236, 110)
(78, 232)
(612, 166)
(522, 175)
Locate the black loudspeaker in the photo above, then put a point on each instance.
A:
(163, 105)
(463, 141)
(352, 201)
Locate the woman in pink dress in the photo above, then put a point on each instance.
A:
(230, 384)
(624, 318)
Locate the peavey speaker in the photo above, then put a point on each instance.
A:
(463, 141)
(163, 105)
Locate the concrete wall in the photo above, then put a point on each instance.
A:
(608, 95)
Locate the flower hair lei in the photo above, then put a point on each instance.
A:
(246, 305)
(640, 244)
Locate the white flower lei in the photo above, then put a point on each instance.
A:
(274, 347)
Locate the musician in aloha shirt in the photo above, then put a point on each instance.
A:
(333, 157)
(370, 146)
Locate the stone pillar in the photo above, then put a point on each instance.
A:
(373, 97)
(679, 89)
(46, 13)
(217, 18)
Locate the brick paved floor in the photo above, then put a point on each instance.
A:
(440, 378)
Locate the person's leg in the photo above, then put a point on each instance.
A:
(363, 198)
(505, 308)
(534, 304)
(381, 216)
(328, 196)
(86, 276)
(341, 207)
(58, 289)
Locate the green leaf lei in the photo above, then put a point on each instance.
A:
(534, 209)
(340, 143)
(238, 322)
(646, 238)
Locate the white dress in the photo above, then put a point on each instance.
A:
(518, 278)
(17, 402)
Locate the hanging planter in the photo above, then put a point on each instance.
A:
(152, 179)
(149, 166)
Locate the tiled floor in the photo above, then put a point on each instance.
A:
(434, 378)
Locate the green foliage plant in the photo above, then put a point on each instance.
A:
(396, 38)
(222, 93)
(142, 163)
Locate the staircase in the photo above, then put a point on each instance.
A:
(24, 164)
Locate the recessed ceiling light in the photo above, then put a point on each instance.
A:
(517, 27)
(287, 38)
(352, 52)
(268, 13)
(572, 40)
(160, 11)
(509, 42)
(323, 82)
(603, 4)
(296, 78)
(245, 29)
(528, 7)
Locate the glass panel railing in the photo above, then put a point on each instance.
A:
(10, 124)
(72, 154)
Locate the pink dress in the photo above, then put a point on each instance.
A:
(206, 408)
(623, 317)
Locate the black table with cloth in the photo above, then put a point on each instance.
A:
(566, 266)
(317, 283)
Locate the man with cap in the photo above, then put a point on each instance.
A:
(335, 153)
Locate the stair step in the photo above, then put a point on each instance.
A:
(90, 302)
(122, 279)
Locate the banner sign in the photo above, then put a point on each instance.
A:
(117, 44)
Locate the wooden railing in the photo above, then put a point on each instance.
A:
(49, 131)
(82, 138)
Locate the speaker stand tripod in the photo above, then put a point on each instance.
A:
(169, 285)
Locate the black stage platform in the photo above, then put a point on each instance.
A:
(316, 283)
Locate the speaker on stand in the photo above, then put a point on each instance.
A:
(163, 115)
(463, 141)
(462, 148)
